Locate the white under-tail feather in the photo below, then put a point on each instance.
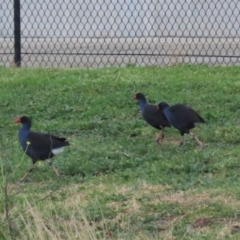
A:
(57, 150)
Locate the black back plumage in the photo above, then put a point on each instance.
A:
(150, 113)
(38, 146)
(155, 118)
(42, 144)
(181, 116)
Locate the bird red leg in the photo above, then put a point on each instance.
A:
(182, 141)
(201, 144)
(27, 173)
(160, 137)
(53, 168)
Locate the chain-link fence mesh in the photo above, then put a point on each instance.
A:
(97, 33)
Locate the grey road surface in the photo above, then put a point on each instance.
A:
(102, 52)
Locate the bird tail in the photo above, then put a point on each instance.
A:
(201, 120)
(63, 141)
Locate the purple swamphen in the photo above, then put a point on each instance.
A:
(183, 118)
(152, 116)
(39, 146)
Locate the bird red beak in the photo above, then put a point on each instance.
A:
(135, 97)
(18, 120)
(158, 107)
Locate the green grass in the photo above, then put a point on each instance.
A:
(116, 182)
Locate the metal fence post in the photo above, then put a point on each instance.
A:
(17, 33)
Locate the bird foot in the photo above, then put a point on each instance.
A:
(203, 145)
(20, 182)
(158, 141)
(180, 144)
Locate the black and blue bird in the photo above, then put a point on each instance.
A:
(152, 116)
(183, 118)
(39, 146)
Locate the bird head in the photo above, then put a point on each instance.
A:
(139, 96)
(22, 119)
(162, 105)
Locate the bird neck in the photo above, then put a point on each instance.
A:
(23, 134)
(168, 114)
(142, 104)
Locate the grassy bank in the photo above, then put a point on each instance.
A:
(117, 184)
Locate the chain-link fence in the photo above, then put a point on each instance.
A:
(97, 33)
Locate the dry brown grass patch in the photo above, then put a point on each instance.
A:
(225, 228)
(146, 188)
(40, 228)
(132, 205)
(191, 199)
(124, 190)
(173, 141)
(142, 189)
(230, 226)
